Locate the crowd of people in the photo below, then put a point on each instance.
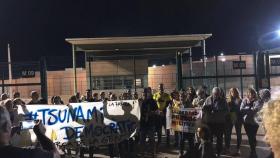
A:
(220, 113)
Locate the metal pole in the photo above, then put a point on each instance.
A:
(191, 66)
(256, 71)
(3, 82)
(241, 78)
(43, 79)
(90, 75)
(267, 66)
(74, 68)
(179, 70)
(216, 64)
(224, 68)
(134, 72)
(10, 70)
(204, 61)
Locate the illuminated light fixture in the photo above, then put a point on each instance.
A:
(278, 32)
(223, 59)
(163, 65)
(154, 66)
(222, 54)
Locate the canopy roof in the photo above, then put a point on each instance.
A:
(139, 43)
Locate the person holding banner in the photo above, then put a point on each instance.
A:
(89, 97)
(190, 136)
(34, 98)
(48, 150)
(200, 99)
(162, 99)
(215, 110)
(148, 120)
(174, 106)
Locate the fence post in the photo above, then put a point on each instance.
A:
(43, 79)
(241, 78)
(267, 71)
(3, 82)
(256, 71)
(179, 70)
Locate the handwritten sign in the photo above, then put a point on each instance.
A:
(93, 123)
(185, 119)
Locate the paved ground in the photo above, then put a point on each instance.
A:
(171, 152)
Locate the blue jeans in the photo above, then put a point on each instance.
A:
(228, 132)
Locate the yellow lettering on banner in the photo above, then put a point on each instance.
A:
(53, 135)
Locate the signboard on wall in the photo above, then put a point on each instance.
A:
(27, 73)
(239, 64)
(275, 61)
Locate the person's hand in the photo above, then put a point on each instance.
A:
(15, 129)
(39, 127)
(23, 106)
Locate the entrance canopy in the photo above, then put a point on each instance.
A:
(137, 46)
(144, 43)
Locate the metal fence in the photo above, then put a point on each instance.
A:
(25, 77)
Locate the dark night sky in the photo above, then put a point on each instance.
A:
(38, 28)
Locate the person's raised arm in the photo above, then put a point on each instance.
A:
(45, 142)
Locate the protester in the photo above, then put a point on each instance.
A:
(124, 96)
(148, 120)
(215, 110)
(187, 100)
(34, 98)
(89, 97)
(265, 95)
(250, 106)
(135, 96)
(129, 94)
(8, 104)
(234, 119)
(16, 95)
(162, 100)
(103, 97)
(205, 89)
(200, 99)
(174, 106)
(113, 97)
(95, 97)
(190, 95)
(6, 150)
(78, 95)
(4, 96)
(57, 100)
(271, 121)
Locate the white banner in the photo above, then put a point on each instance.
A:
(85, 123)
